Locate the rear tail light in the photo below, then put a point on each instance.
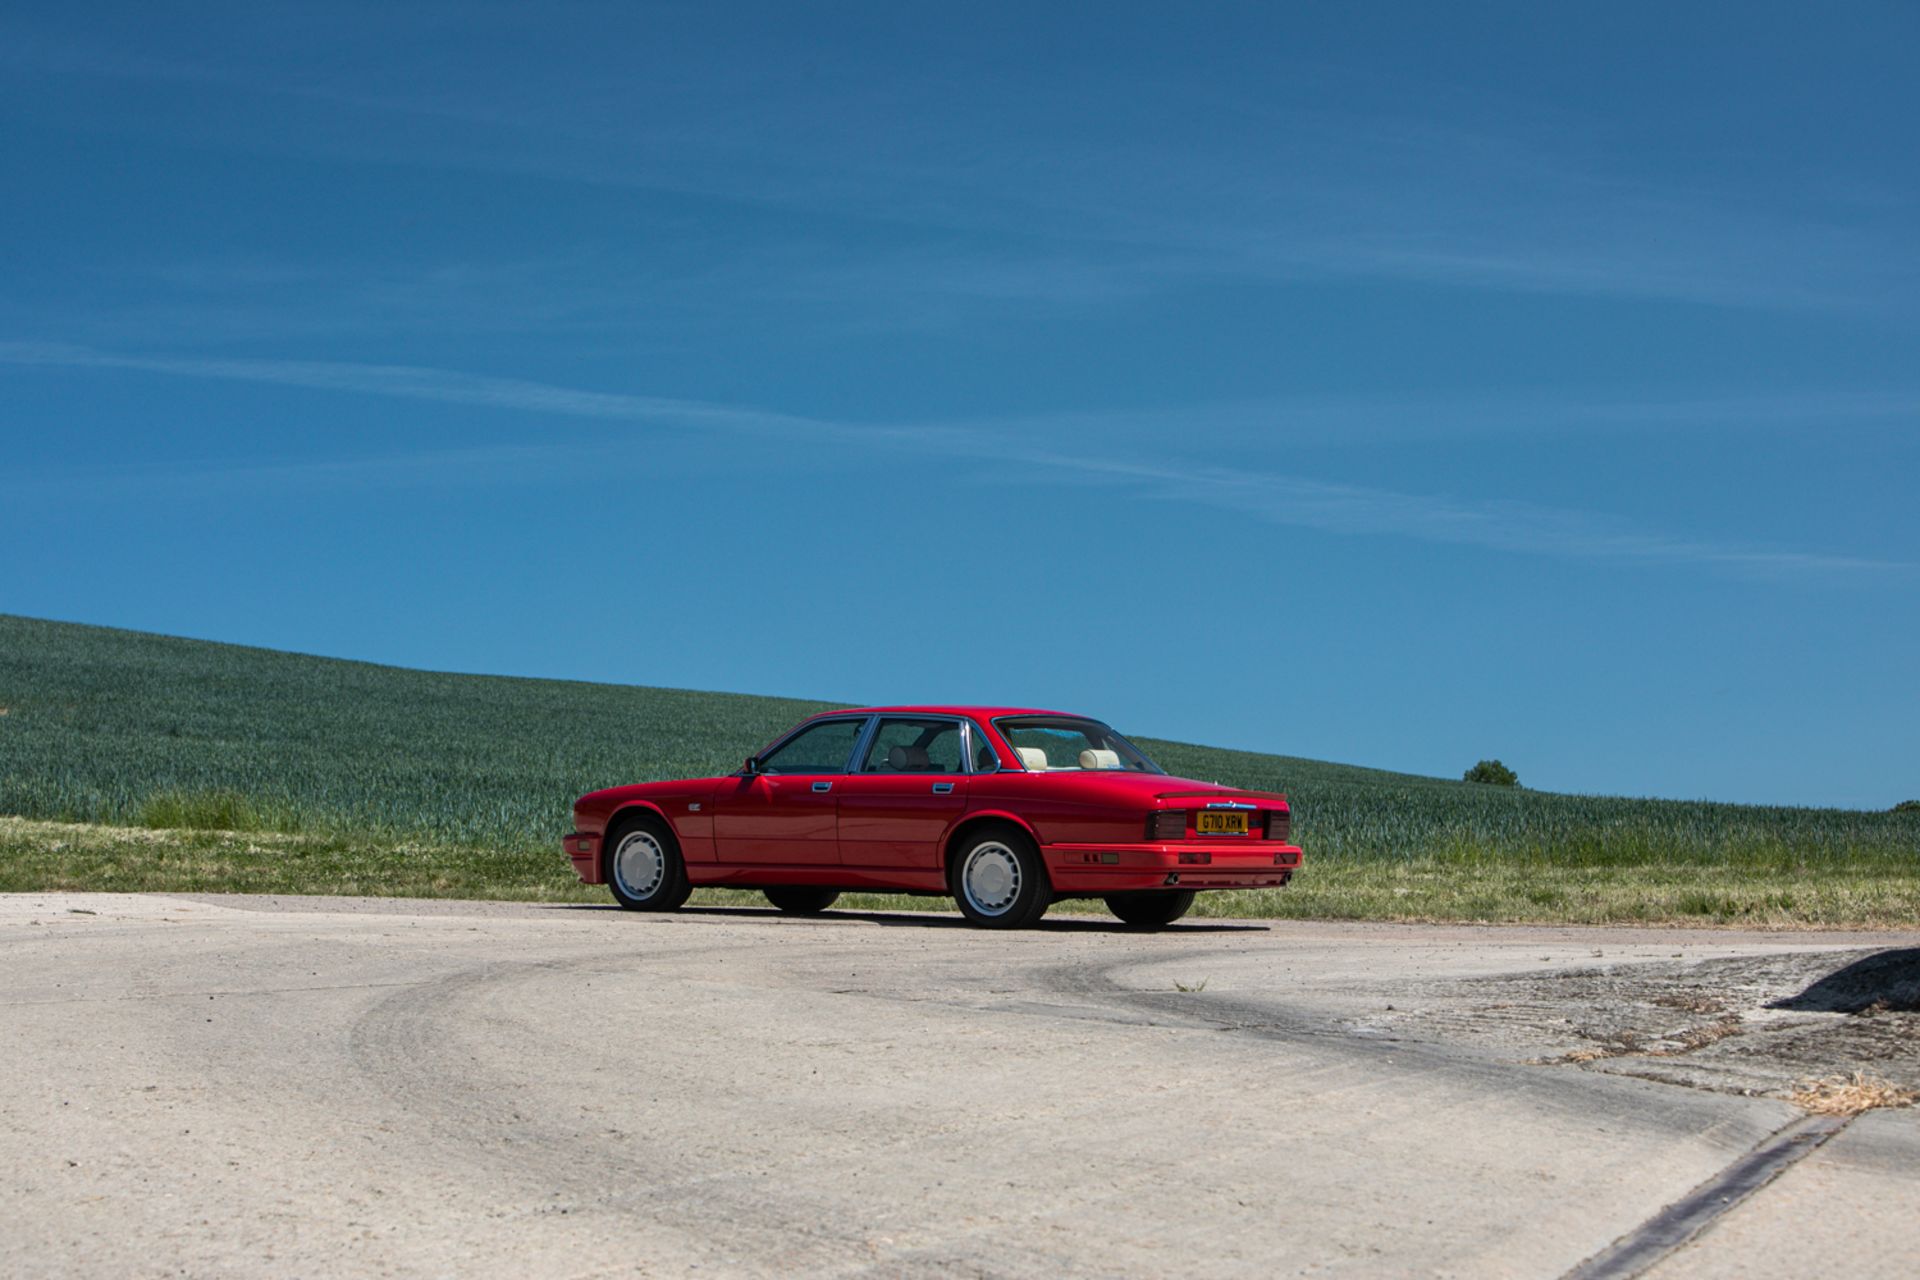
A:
(1279, 824)
(1167, 824)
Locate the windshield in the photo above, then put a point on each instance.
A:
(1046, 743)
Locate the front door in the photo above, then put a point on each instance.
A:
(785, 814)
(908, 789)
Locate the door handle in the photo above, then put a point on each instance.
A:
(942, 788)
(823, 786)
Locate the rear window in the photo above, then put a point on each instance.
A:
(1048, 743)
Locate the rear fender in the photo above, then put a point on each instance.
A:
(973, 821)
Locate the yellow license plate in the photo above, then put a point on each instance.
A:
(1220, 822)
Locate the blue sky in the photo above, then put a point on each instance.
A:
(1397, 385)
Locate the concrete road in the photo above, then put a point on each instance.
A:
(302, 1087)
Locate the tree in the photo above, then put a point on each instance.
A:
(1493, 774)
(1907, 806)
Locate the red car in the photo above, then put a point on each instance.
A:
(1006, 810)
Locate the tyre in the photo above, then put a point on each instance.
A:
(997, 878)
(802, 900)
(1152, 909)
(644, 867)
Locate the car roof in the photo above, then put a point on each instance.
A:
(978, 713)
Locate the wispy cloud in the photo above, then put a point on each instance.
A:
(1259, 185)
(1269, 496)
(1509, 526)
(1455, 417)
(409, 382)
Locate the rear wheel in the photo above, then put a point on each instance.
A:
(802, 900)
(997, 879)
(644, 868)
(1152, 909)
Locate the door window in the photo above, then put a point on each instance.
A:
(985, 758)
(820, 748)
(906, 745)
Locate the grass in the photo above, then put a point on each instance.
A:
(1693, 892)
(92, 857)
(41, 856)
(173, 764)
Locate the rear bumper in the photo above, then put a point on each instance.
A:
(1186, 864)
(584, 849)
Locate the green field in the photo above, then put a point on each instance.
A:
(182, 764)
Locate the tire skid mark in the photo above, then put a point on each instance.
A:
(215, 991)
(1641, 1249)
(404, 1044)
(401, 1045)
(412, 1045)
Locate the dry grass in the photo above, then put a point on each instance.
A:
(76, 856)
(1442, 889)
(1850, 1095)
(1700, 1037)
(37, 855)
(1630, 1043)
(1579, 1055)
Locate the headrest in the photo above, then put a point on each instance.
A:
(907, 759)
(1032, 758)
(1099, 758)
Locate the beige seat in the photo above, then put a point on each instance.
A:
(1099, 758)
(909, 760)
(1032, 758)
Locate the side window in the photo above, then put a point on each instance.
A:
(906, 745)
(985, 758)
(823, 748)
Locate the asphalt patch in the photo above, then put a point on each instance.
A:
(1751, 1025)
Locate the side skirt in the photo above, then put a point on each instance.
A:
(738, 875)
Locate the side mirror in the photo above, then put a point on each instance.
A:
(753, 766)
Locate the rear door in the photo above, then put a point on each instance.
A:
(907, 789)
(785, 814)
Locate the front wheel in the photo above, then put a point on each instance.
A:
(1151, 909)
(802, 900)
(644, 868)
(997, 879)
